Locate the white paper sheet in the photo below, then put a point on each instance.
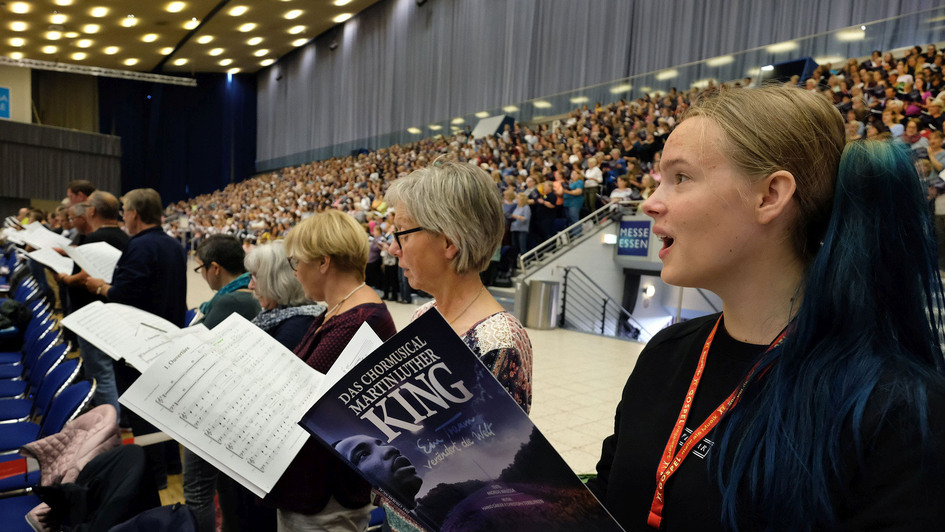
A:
(234, 401)
(36, 235)
(121, 331)
(54, 261)
(362, 344)
(98, 259)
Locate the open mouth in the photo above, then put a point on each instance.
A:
(401, 462)
(667, 243)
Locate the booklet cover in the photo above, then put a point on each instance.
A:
(423, 420)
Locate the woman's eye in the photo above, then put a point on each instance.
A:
(682, 177)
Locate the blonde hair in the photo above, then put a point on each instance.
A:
(331, 234)
(783, 128)
(459, 201)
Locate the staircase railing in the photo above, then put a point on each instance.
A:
(587, 307)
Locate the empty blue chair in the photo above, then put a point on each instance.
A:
(64, 407)
(14, 410)
(19, 388)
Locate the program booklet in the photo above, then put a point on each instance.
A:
(423, 420)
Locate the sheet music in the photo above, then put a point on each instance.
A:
(98, 259)
(121, 331)
(362, 344)
(52, 260)
(36, 235)
(235, 401)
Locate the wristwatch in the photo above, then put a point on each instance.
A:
(98, 291)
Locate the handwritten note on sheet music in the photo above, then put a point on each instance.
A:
(98, 259)
(235, 401)
(121, 331)
(52, 260)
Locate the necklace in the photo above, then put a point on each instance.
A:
(338, 304)
(460, 315)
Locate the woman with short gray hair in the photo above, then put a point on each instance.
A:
(286, 313)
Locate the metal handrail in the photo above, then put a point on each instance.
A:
(582, 303)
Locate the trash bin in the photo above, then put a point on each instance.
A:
(542, 304)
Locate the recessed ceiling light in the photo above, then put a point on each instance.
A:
(851, 35)
(458, 120)
(98, 12)
(216, 51)
(579, 99)
(129, 21)
(249, 26)
(414, 130)
(78, 56)
(232, 71)
(295, 30)
(541, 104)
(294, 14)
(204, 39)
(49, 49)
(482, 114)
(131, 61)
(299, 42)
(237, 11)
(175, 7)
(166, 50)
(17, 41)
(254, 41)
(53, 35)
(191, 24)
(510, 109)
(226, 62)
(261, 52)
(667, 74)
(267, 62)
(435, 127)
(63, 2)
(20, 7)
(181, 61)
(340, 3)
(780, 47)
(84, 43)
(71, 34)
(19, 26)
(111, 50)
(58, 18)
(343, 17)
(621, 88)
(719, 61)
(149, 37)
(16, 55)
(91, 28)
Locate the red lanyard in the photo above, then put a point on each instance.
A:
(671, 461)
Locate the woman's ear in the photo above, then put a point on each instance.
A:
(450, 251)
(775, 193)
(324, 264)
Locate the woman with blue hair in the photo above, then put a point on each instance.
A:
(815, 400)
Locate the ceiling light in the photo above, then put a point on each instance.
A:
(267, 62)
(510, 109)
(98, 12)
(295, 30)
(17, 42)
(49, 49)
(19, 26)
(91, 28)
(175, 7)
(541, 104)
(53, 35)
(129, 21)
(20, 7)
(181, 61)
(249, 26)
(84, 43)
(767, 68)
(667, 74)
(482, 114)
(435, 127)
(166, 50)
(78, 56)
(131, 61)
(63, 2)
(294, 14)
(458, 120)
(413, 130)
(149, 37)
(16, 55)
(824, 59)
(719, 61)
(580, 99)
(111, 50)
(702, 83)
(621, 88)
(226, 62)
(299, 42)
(238, 10)
(645, 89)
(261, 52)
(204, 39)
(851, 35)
(58, 18)
(71, 34)
(780, 47)
(191, 24)
(254, 41)
(216, 51)
(340, 3)
(232, 71)
(753, 71)
(343, 17)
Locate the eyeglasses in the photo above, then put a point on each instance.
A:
(293, 263)
(198, 268)
(398, 234)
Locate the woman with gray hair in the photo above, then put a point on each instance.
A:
(286, 313)
(449, 223)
